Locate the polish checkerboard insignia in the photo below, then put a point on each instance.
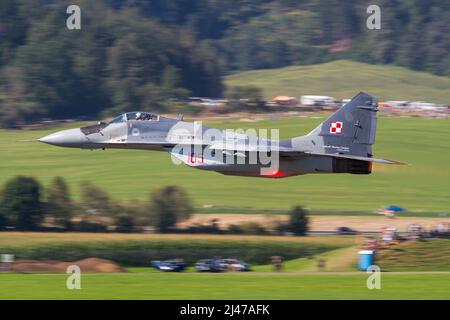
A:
(336, 127)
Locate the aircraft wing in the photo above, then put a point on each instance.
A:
(294, 153)
(368, 159)
(283, 151)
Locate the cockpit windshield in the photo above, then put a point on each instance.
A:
(119, 119)
(144, 116)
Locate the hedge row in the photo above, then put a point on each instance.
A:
(141, 252)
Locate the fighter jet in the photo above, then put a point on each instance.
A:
(340, 144)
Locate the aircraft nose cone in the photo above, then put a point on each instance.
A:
(65, 138)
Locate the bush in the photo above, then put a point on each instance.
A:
(124, 223)
(2, 221)
(168, 206)
(297, 225)
(298, 221)
(21, 204)
(94, 199)
(251, 228)
(59, 204)
(234, 229)
(86, 226)
(211, 228)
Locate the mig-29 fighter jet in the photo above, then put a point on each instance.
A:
(341, 144)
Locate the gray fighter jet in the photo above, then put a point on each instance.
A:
(341, 144)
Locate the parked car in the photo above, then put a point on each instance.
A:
(346, 231)
(234, 265)
(209, 265)
(176, 265)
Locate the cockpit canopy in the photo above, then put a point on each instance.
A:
(130, 116)
(135, 116)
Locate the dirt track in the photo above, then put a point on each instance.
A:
(86, 265)
(319, 223)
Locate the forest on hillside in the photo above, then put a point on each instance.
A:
(132, 54)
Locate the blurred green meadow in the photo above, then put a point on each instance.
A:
(340, 78)
(225, 286)
(421, 185)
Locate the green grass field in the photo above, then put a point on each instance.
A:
(422, 185)
(225, 286)
(343, 79)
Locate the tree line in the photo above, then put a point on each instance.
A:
(148, 55)
(27, 206)
(119, 61)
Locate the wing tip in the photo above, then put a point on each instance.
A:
(387, 161)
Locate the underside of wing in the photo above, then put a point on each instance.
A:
(347, 156)
(294, 153)
(284, 152)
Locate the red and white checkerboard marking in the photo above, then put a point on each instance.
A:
(336, 127)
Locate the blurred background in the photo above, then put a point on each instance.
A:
(284, 64)
(143, 55)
